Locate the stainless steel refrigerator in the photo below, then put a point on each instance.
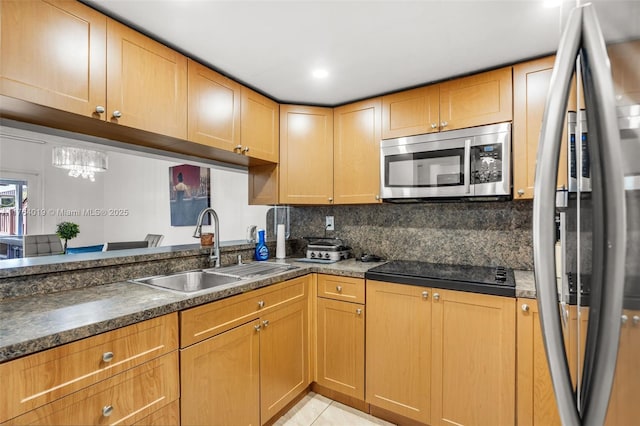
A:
(596, 375)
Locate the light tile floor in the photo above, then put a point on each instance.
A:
(317, 410)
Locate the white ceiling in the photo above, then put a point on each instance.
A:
(369, 47)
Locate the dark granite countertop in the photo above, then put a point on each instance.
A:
(39, 322)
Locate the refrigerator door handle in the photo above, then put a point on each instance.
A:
(544, 216)
(609, 241)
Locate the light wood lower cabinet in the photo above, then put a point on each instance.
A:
(536, 399)
(246, 357)
(122, 399)
(473, 359)
(220, 379)
(340, 335)
(284, 357)
(398, 349)
(35, 380)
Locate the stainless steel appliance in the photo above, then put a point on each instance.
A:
(474, 162)
(597, 383)
(328, 250)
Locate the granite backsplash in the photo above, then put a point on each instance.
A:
(473, 233)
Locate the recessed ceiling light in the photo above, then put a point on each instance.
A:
(320, 73)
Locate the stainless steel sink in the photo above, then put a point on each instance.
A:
(250, 270)
(189, 281)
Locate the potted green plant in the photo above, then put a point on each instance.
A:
(67, 231)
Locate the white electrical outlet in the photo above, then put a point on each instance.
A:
(329, 225)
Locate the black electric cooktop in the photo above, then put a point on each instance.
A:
(497, 281)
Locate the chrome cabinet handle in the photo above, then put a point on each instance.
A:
(434, 126)
(238, 148)
(525, 307)
(377, 197)
(425, 294)
(624, 319)
(444, 124)
(257, 327)
(265, 323)
(436, 296)
(107, 356)
(107, 410)
(358, 311)
(339, 288)
(331, 199)
(246, 149)
(261, 304)
(521, 192)
(117, 114)
(100, 109)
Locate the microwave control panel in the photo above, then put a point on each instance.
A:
(486, 163)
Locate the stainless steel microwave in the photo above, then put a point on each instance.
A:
(473, 162)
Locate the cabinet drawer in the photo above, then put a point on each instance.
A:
(205, 321)
(40, 378)
(167, 415)
(123, 399)
(341, 288)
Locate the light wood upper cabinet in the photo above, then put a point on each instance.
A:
(479, 99)
(356, 153)
(146, 83)
(53, 53)
(214, 108)
(411, 112)
(530, 89)
(220, 379)
(260, 124)
(306, 155)
(398, 349)
(536, 399)
(473, 359)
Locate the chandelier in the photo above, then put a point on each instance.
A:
(79, 161)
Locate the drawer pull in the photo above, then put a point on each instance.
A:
(257, 327)
(107, 356)
(358, 311)
(425, 294)
(261, 304)
(436, 296)
(107, 410)
(339, 288)
(265, 323)
(525, 307)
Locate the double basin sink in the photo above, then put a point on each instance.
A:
(202, 279)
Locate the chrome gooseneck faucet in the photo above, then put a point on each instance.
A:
(214, 253)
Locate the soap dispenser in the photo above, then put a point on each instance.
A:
(262, 251)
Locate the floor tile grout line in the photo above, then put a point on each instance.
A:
(320, 414)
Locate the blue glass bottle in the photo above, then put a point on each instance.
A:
(262, 251)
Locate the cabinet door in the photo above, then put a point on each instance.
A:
(146, 83)
(411, 112)
(306, 155)
(53, 53)
(220, 379)
(284, 357)
(474, 356)
(341, 347)
(479, 99)
(214, 108)
(356, 153)
(536, 399)
(530, 86)
(398, 349)
(260, 124)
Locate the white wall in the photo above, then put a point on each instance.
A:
(134, 183)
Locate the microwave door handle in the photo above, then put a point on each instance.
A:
(467, 167)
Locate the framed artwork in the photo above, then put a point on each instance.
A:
(190, 193)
